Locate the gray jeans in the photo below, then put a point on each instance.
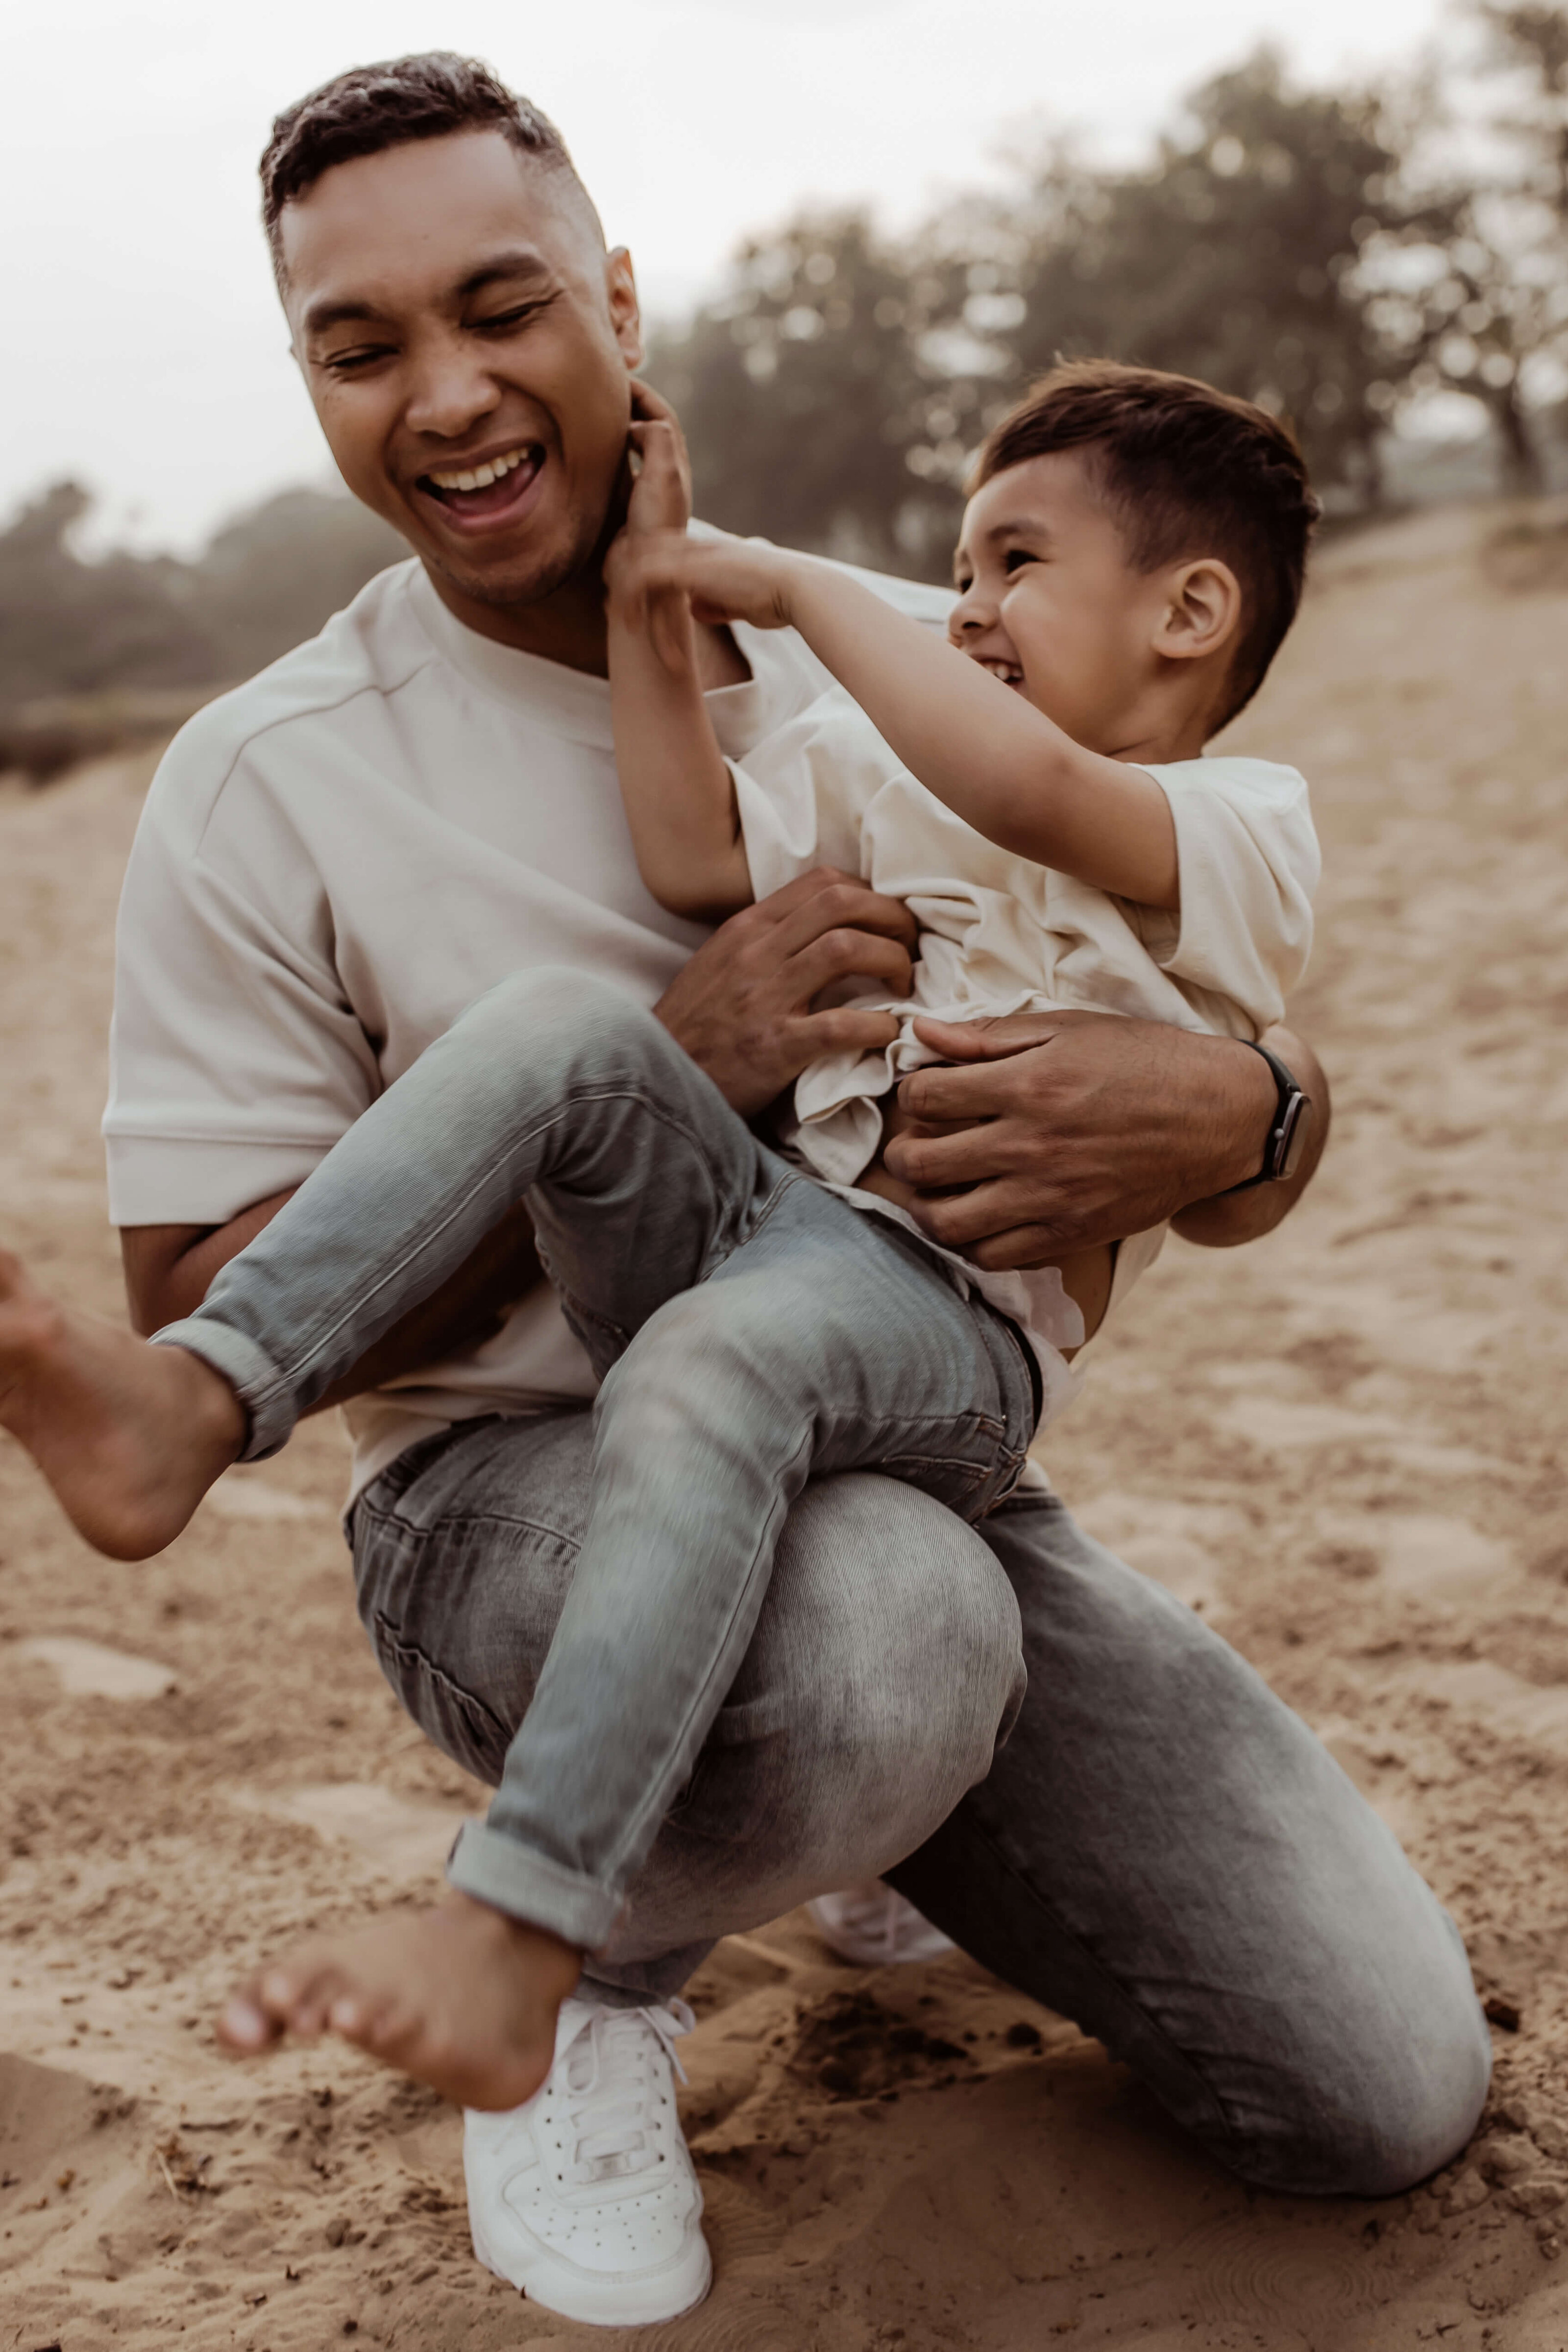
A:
(1158, 1849)
(1061, 1764)
(749, 1330)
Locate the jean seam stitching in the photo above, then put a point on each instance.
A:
(399, 1643)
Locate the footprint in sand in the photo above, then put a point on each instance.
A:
(1423, 1552)
(89, 1670)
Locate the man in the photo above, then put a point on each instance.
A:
(338, 859)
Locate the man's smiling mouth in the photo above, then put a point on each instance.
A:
(490, 489)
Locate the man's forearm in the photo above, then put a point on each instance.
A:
(169, 1268)
(1230, 1218)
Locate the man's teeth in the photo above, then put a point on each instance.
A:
(479, 478)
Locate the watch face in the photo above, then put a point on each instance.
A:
(1294, 1129)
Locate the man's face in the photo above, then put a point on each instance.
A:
(1049, 603)
(458, 323)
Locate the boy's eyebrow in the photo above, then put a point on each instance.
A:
(520, 261)
(1021, 526)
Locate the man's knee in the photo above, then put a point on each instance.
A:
(1396, 2095)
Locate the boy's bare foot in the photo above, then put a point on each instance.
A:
(461, 1998)
(130, 1437)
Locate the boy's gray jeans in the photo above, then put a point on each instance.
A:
(1160, 1849)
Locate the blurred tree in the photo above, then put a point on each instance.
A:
(66, 626)
(1235, 257)
(802, 388)
(269, 579)
(1477, 287)
(836, 390)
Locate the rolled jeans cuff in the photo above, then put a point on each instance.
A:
(494, 1869)
(250, 1374)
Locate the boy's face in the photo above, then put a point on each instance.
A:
(1048, 603)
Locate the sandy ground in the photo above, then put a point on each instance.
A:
(1345, 1453)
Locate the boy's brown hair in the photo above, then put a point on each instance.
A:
(1183, 471)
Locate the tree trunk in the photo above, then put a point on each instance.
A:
(1522, 472)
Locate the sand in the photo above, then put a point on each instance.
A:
(1346, 1454)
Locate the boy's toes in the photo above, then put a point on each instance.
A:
(245, 2026)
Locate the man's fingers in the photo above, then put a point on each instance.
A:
(974, 1220)
(985, 1041)
(936, 1096)
(936, 1163)
(845, 955)
(837, 903)
(842, 1029)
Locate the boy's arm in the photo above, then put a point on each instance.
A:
(679, 795)
(995, 759)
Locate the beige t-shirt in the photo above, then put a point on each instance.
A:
(335, 861)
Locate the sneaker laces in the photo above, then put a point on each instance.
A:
(606, 2082)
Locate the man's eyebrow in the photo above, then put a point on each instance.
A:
(519, 262)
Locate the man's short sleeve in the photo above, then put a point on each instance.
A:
(236, 1061)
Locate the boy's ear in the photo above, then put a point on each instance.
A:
(1203, 610)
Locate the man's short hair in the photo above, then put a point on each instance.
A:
(1183, 470)
(372, 107)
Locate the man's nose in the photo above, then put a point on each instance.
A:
(451, 388)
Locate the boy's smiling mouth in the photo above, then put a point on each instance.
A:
(1009, 673)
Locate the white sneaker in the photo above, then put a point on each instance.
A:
(873, 1925)
(585, 2197)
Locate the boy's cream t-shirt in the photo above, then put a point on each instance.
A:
(336, 859)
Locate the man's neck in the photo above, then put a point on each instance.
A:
(568, 627)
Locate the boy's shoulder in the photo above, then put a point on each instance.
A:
(1233, 774)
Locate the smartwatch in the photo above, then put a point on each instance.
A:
(1289, 1130)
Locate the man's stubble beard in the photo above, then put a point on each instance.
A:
(582, 565)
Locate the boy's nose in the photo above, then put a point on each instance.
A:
(969, 618)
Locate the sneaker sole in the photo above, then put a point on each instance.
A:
(639, 2303)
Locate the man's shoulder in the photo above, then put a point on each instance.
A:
(373, 647)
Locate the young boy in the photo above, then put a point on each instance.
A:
(1130, 559)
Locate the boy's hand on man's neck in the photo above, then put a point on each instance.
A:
(568, 627)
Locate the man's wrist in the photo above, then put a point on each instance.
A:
(1251, 1106)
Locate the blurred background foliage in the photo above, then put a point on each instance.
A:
(1347, 257)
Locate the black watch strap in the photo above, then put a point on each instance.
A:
(1287, 1130)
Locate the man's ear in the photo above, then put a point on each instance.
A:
(1201, 610)
(625, 315)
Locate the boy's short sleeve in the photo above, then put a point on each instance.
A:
(803, 792)
(1249, 862)
(235, 1061)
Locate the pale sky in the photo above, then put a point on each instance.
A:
(141, 350)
